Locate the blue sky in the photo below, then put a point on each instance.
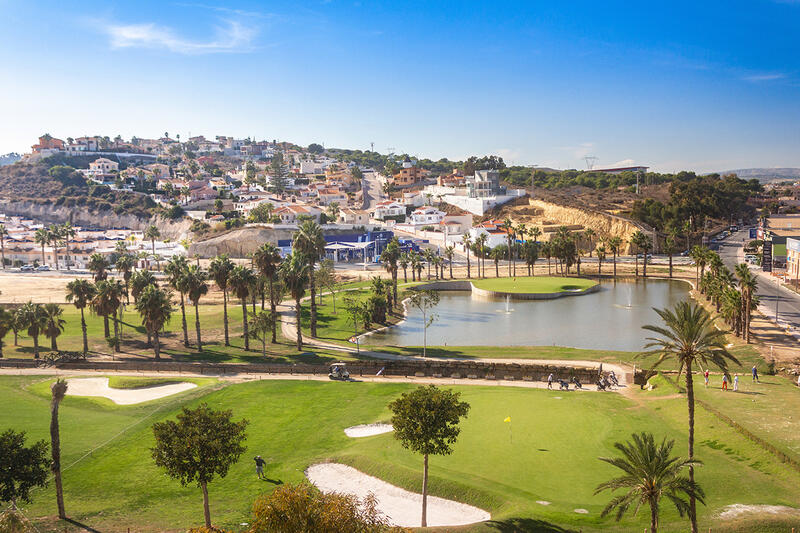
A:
(674, 85)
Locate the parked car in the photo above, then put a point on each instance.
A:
(42, 268)
(26, 268)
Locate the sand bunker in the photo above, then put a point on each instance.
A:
(737, 509)
(99, 387)
(401, 507)
(367, 430)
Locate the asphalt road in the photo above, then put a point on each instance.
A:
(770, 293)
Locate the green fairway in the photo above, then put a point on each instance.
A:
(534, 285)
(111, 483)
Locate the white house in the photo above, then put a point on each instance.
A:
(494, 230)
(357, 217)
(291, 212)
(425, 216)
(102, 166)
(413, 199)
(388, 208)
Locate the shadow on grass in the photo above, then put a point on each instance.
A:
(80, 525)
(526, 525)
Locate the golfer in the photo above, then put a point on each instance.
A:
(259, 466)
(724, 381)
(550, 381)
(755, 374)
(736, 383)
(705, 376)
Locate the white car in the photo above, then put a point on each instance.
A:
(42, 268)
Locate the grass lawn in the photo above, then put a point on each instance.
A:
(534, 285)
(557, 438)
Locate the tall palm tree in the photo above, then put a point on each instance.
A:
(98, 266)
(58, 390)
(125, 267)
(449, 253)
(240, 281)
(196, 287)
(404, 261)
(155, 308)
(67, 232)
(601, 256)
(3, 235)
(650, 474)
(220, 271)
(642, 243)
(510, 228)
(671, 245)
(6, 325)
(481, 242)
(294, 272)
(151, 234)
(32, 317)
(309, 241)
(467, 242)
(615, 244)
(176, 277)
(55, 239)
(700, 256)
(547, 251)
(81, 292)
(589, 234)
(427, 254)
(106, 303)
(54, 324)
(389, 257)
(748, 284)
(689, 337)
(42, 237)
(496, 254)
(267, 259)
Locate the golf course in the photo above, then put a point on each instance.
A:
(531, 473)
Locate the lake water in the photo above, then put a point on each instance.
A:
(611, 319)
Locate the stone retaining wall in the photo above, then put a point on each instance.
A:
(466, 285)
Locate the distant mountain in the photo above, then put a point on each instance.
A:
(9, 158)
(766, 174)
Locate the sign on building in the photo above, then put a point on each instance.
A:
(766, 259)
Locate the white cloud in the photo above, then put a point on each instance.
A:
(233, 37)
(623, 163)
(766, 76)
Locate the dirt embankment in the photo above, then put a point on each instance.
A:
(549, 216)
(50, 214)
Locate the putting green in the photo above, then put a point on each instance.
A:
(534, 285)
(548, 452)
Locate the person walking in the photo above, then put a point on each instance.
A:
(724, 381)
(259, 466)
(550, 381)
(736, 383)
(755, 374)
(705, 377)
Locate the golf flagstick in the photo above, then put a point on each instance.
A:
(510, 431)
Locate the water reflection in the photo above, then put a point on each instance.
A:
(611, 318)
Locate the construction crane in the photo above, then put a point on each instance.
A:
(590, 161)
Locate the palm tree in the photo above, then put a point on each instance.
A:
(748, 284)
(389, 256)
(481, 242)
(3, 234)
(196, 287)
(689, 337)
(152, 233)
(32, 317)
(125, 267)
(240, 280)
(176, 275)
(220, 271)
(700, 256)
(670, 245)
(427, 254)
(155, 308)
(404, 261)
(42, 237)
(310, 243)
(58, 390)
(294, 272)
(6, 325)
(467, 242)
(547, 251)
(260, 327)
(497, 253)
(641, 242)
(601, 256)
(589, 234)
(106, 303)
(267, 258)
(67, 232)
(98, 266)
(615, 244)
(55, 240)
(508, 224)
(449, 252)
(81, 292)
(54, 325)
(650, 474)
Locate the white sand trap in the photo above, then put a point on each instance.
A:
(581, 511)
(401, 507)
(99, 387)
(542, 502)
(737, 509)
(367, 430)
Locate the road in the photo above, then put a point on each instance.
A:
(373, 192)
(770, 293)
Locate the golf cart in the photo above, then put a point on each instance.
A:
(339, 372)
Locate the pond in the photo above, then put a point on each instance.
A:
(609, 319)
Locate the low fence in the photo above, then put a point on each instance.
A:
(411, 368)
